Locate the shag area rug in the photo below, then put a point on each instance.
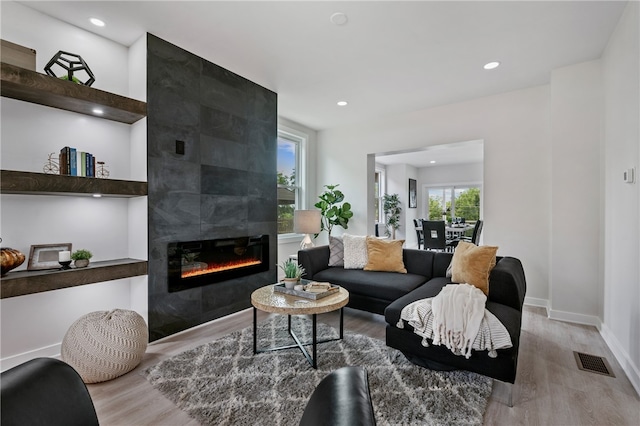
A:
(224, 383)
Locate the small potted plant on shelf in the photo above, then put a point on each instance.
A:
(292, 273)
(81, 258)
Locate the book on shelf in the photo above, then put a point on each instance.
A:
(74, 162)
(73, 167)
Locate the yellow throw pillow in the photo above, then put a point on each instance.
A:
(472, 264)
(385, 255)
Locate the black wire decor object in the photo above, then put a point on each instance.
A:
(71, 64)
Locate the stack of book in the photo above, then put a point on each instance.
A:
(77, 163)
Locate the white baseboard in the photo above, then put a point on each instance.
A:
(52, 351)
(575, 318)
(534, 301)
(632, 371)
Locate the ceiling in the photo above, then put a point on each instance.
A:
(443, 155)
(389, 58)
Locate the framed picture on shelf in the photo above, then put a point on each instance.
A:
(45, 256)
(413, 195)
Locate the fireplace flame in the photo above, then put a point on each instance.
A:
(219, 267)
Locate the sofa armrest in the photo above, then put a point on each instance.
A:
(341, 399)
(507, 284)
(45, 391)
(313, 260)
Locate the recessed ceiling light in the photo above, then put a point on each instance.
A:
(491, 65)
(338, 18)
(97, 22)
(342, 103)
(432, 161)
(97, 111)
(97, 195)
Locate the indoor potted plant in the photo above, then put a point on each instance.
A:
(292, 273)
(391, 207)
(333, 213)
(81, 258)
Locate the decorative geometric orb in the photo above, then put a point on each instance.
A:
(71, 65)
(104, 345)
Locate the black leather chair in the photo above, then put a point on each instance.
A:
(45, 391)
(341, 399)
(435, 236)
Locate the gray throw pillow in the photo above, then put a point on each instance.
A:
(336, 251)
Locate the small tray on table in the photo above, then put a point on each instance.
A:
(280, 288)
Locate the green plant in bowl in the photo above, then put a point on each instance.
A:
(292, 272)
(81, 258)
(81, 254)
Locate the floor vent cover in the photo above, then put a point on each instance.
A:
(593, 363)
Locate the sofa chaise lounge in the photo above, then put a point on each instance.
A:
(387, 293)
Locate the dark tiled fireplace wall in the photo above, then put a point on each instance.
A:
(223, 186)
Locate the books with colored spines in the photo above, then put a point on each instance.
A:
(90, 171)
(65, 160)
(73, 167)
(76, 163)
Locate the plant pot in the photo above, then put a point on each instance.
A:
(290, 282)
(81, 263)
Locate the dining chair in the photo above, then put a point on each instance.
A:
(435, 236)
(477, 230)
(474, 238)
(419, 231)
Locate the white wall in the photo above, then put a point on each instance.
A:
(34, 325)
(108, 60)
(453, 174)
(621, 68)
(398, 176)
(576, 137)
(515, 130)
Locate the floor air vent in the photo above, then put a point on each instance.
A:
(593, 363)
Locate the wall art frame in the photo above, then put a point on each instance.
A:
(45, 256)
(413, 194)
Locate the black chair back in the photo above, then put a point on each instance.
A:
(434, 235)
(477, 230)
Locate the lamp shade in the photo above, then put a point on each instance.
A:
(306, 221)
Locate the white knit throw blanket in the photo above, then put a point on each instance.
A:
(490, 333)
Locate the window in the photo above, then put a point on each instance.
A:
(379, 188)
(454, 201)
(290, 178)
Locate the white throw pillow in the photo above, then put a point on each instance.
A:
(355, 251)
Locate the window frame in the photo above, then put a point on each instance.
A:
(451, 187)
(301, 140)
(382, 187)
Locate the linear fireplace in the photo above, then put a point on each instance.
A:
(198, 263)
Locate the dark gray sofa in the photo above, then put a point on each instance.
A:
(387, 293)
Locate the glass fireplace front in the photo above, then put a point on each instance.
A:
(198, 263)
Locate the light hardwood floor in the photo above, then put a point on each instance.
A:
(549, 389)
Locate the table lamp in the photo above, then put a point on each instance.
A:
(306, 222)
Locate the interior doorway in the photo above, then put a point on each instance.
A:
(458, 166)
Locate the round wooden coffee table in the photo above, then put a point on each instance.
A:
(267, 300)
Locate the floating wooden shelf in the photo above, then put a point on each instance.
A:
(15, 182)
(26, 85)
(29, 282)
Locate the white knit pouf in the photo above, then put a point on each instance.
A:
(104, 345)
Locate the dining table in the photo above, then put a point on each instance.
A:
(457, 231)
